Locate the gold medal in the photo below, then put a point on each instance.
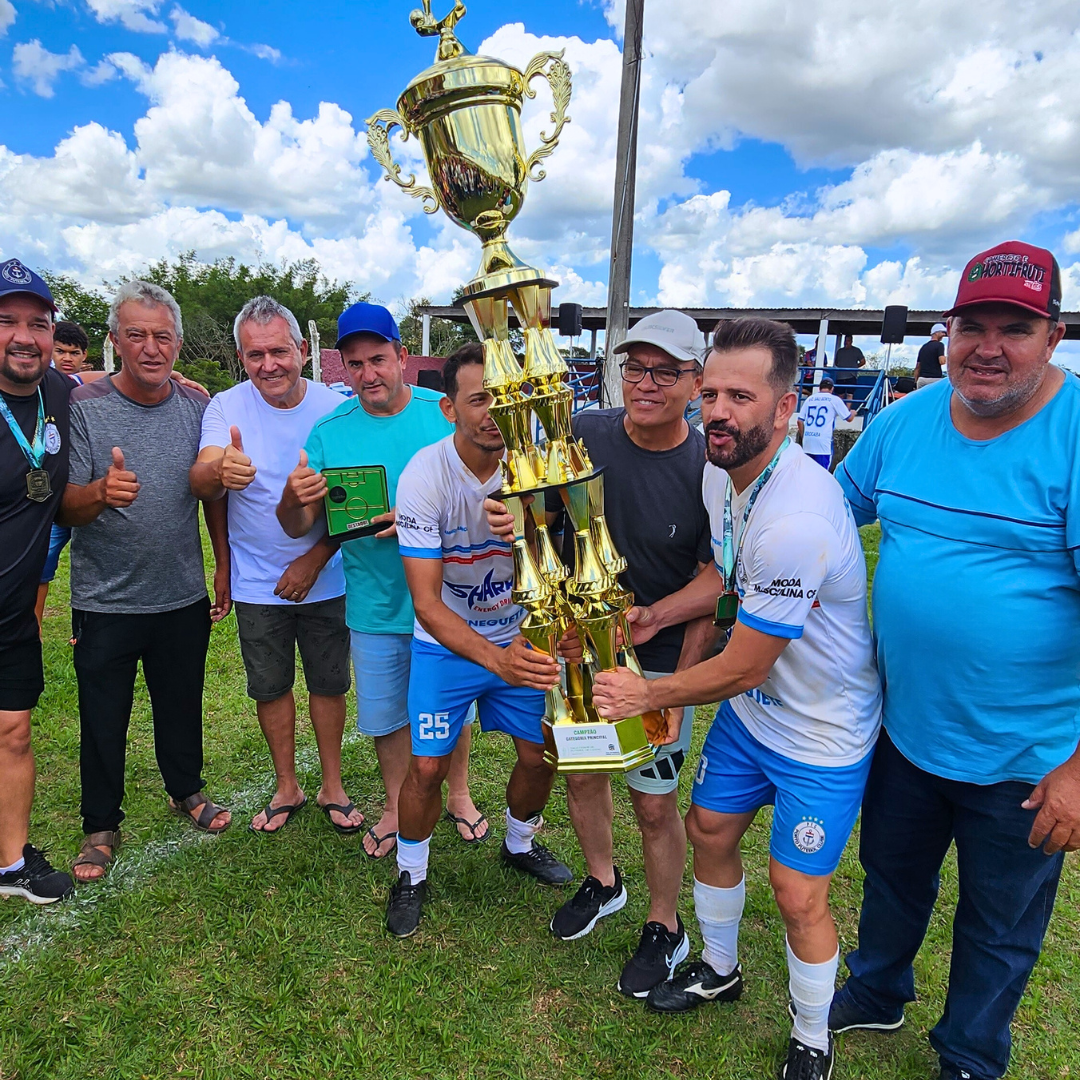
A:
(38, 487)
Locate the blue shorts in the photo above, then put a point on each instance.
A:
(58, 539)
(816, 807)
(381, 663)
(824, 460)
(443, 686)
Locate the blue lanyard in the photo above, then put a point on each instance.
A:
(731, 556)
(33, 452)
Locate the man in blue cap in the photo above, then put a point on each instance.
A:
(385, 424)
(33, 474)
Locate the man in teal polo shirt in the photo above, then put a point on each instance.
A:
(384, 424)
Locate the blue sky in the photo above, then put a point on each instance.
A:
(780, 163)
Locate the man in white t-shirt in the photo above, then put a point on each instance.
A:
(817, 418)
(801, 700)
(285, 592)
(466, 646)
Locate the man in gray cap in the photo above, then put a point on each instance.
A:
(652, 461)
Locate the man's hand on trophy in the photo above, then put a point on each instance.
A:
(521, 665)
(619, 694)
(570, 648)
(500, 520)
(236, 468)
(644, 624)
(304, 486)
(390, 517)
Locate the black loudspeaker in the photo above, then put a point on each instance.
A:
(894, 325)
(570, 320)
(430, 378)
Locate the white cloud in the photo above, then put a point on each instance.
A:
(33, 63)
(131, 14)
(188, 28)
(102, 72)
(7, 16)
(265, 52)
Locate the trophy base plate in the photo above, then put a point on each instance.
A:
(616, 747)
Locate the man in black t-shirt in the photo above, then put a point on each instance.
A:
(849, 359)
(653, 462)
(928, 363)
(33, 473)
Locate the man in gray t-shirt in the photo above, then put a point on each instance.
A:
(137, 585)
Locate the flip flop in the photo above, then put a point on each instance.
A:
(272, 812)
(345, 811)
(379, 841)
(472, 826)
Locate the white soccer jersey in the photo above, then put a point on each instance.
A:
(801, 575)
(440, 515)
(819, 415)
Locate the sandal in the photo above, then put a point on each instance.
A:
(209, 811)
(272, 812)
(472, 826)
(345, 811)
(379, 841)
(90, 856)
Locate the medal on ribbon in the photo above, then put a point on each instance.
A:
(38, 486)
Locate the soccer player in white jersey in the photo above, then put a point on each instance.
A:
(801, 700)
(466, 645)
(817, 419)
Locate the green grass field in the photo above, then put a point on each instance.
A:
(245, 956)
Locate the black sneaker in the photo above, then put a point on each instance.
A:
(587, 906)
(845, 1015)
(807, 1062)
(654, 961)
(696, 984)
(405, 905)
(949, 1073)
(36, 881)
(539, 863)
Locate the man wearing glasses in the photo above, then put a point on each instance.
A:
(653, 462)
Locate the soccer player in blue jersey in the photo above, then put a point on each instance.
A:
(466, 646)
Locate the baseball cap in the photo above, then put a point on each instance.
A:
(677, 334)
(826, 381)
(938, 328)
(367, 319)
(1012, 273)
(16, 278)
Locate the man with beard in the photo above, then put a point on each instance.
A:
(976, 483)
(801, 703)
(33, 472)
(466, 646)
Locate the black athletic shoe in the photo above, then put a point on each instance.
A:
(696, 984)
(845, 1015)
(659, 952)
(404, 906)
(539, 863)
(37, 881)
(949, 1073)
(587, 907)
(807, 1062)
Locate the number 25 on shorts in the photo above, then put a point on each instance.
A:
(434, 725)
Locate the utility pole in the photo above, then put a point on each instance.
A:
(622, 216)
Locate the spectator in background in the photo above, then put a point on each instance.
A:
(286, 592)
(930, 358)
(70, 345)
(817, 419)
(33, 472)
(137, 585)
(849, 359)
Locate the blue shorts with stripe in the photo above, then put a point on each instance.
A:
(815, 807)
(443, 686)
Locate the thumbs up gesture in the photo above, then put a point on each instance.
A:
(121, 486)
(304, 486)
(236, 468)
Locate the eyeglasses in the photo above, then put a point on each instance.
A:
(633, 372)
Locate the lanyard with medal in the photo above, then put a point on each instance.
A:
(727, 604)
(38, 487)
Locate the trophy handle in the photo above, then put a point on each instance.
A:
(558, 77)
(378, 137)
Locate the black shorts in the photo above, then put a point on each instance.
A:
(844, 375)
(270, 634)
(22, 676)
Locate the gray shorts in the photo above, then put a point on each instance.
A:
(270, 634)
(661, 776)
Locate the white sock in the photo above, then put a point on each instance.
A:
(519, 834)
(719, 912)
(812, 987)
(18, 864)
(412, 856)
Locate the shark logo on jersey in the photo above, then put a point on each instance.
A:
(482, 593)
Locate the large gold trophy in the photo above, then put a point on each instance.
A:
(465, 110)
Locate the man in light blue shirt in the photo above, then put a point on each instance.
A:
(386, 423)
(976, 605)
